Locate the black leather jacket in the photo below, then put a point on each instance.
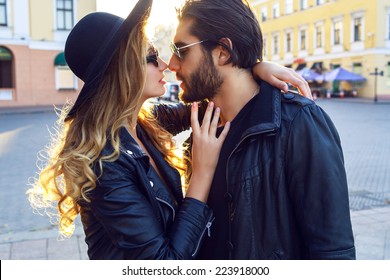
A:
(133, 215)
(287, 193)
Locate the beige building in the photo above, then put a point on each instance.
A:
(326, 34)
(33, 70)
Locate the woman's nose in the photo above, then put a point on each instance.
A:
(162, 65)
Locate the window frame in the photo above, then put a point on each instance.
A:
(303, 5)
(7, 91)
(264, 14)
(276, 10)
(5, 5)
(58, 80)
(339, 47)
(288, 34)
(65, 26)
(288, 7)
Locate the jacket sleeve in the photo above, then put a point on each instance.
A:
(131, 222)
(318, 185)
(176, 118)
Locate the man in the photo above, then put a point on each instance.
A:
(279, 190)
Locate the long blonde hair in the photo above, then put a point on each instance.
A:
(68, 176)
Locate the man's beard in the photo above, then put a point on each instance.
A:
(203, 83)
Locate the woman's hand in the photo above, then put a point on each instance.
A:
(277, 75)
(205, 151)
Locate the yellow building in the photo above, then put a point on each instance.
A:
(325, 34)
(33, 70)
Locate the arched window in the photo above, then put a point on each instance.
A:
(6, 74)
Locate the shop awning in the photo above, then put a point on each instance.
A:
(60, 60)
(340, 74)
(5, 54)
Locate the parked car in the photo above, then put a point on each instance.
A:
(172, 91)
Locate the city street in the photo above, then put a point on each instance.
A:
(364, 128)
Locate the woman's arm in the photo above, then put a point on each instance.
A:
(278, 76)
(176, 118)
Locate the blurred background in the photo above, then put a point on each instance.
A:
(341, 47)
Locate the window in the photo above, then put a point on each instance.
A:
(357, 68)
(5, 68)
(319, 2)
(302, 40)
(6, 77)
(318, 43)
(265, 46)
(337, 33)
(388, 26)
(64, 78)
(264, 14)
(303, 4)
(357, 29)
(64, 14)
(3, 13)
(275, 45)
(275, 10)
(288, 42)
(288, 7)
(387, 30)
(388, 74)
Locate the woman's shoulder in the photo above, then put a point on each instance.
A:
(120, 163)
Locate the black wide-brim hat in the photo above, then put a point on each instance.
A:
(92, 43)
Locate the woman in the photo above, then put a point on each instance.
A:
(113, 163)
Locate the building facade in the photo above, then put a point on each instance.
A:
(33, 71)
(326, 34)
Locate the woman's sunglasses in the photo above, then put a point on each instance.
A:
(153, 58)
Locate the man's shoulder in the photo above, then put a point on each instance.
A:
(293, 97)
(289, 98)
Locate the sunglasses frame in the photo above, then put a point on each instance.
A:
(175, 50)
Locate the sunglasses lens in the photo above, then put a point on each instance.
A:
(152, 59)
(175, 50)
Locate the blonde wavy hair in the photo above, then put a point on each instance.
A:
(67, 176)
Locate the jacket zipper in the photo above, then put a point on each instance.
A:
(170, 206)
(227, 177)
(208, 225)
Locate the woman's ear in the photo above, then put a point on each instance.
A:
(223, 50)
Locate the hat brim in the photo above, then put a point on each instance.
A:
(141, 11)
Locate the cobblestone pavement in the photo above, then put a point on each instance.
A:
(364, 129)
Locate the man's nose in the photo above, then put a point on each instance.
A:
(174, 63)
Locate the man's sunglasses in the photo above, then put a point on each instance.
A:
(176, 50)
(153, 58)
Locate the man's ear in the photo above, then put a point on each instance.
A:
(223, 50)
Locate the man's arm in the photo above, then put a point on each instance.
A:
(318, 187)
